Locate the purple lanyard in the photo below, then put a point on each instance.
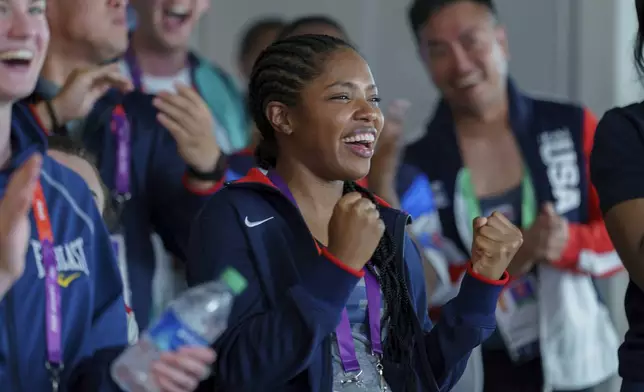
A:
(121, 129)
(374, 299)
(53, 311)
(137, 73)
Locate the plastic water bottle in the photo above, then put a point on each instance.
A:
(196, 318)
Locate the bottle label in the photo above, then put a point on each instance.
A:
(170, 334)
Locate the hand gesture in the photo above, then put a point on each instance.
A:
(548, 236)
(187, 117)
(183, 370)
(84, 87)
(15, 228)
(496, 241)
(355, 230)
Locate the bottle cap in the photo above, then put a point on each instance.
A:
(235, 280)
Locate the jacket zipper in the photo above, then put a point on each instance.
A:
(327, 382)
(13, 338)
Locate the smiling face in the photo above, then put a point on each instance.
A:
(466, 54)
(335, 124)
(169, 23)
(24, 38)
(94, 29)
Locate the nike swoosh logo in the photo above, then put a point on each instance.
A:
(253, 224)
(66, 281)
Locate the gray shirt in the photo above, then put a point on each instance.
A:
(370, 378)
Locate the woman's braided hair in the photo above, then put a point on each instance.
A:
(279, 74)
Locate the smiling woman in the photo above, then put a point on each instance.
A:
(336, 296)
(339, 106)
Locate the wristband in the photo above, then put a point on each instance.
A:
(215, 175)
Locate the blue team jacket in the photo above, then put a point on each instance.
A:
(555, 140)
(280, 327)
(93, 312)
(161, 202)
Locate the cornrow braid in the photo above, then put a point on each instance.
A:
(279, 75)
(400, 312)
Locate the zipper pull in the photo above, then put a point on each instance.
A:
(383, 382)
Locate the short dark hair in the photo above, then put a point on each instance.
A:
(69, 146)
(309, 20)
(421, 10)
(638, 49)
(256, 29)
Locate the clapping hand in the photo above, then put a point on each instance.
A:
(15, 228)
(187, 117)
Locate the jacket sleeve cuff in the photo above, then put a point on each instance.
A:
(201, 191)
(341, 265)
(479, 295)
(570, 255)
(501, 282)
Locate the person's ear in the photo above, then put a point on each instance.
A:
(278, 115)
(501, 37)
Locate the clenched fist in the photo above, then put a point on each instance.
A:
(355, 230)
(496, 241)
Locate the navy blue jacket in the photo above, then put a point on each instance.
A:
(94, 328)
(280, 327)
(161, 201)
